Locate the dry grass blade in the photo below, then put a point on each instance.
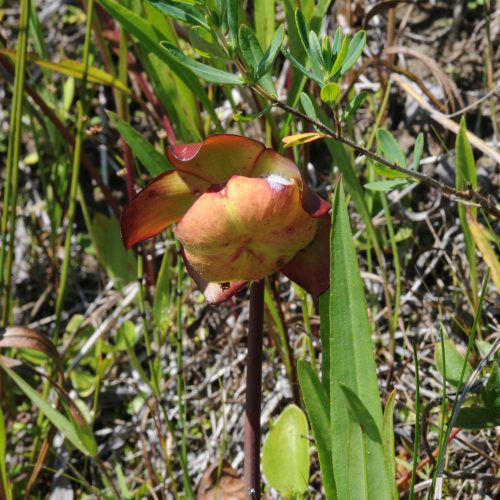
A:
(480, 235)
(24, 338)
(448, 86)
(379, 8)
(445, 121)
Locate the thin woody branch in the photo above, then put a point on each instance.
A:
(469, 195)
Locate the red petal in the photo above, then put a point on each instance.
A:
(164, 201)
(313, 204)
(217, 158)
(214, 293)
(310, 268)
(184, 152)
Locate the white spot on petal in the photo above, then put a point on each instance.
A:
(278, 182)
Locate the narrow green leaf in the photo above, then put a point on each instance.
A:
(454, 362)
(232, 8)
(324, 330)
(63, 424)
(252, 54)
(122, 482)
(476, 418)
(267, 60)
(326, 49)
(285, 454)
(143, 30)
(315, 49)
(308, 106)
(264, 21)
(356, 47)
(360, 413)
(302, 28)
(491, 391)
(120, 264)
(388, 432)
(251, 116)
(317, 406)
(329, 93)
(202, 70)
(337, 40)
(3, 448)
(301, 67)
(389, 147)
(354, 105)
(418, 149)
(203, 42)
(73, 68)
(388, 185)
(162, 296)
(341, 55)
(359, 462)
(180, 12)
(154, 162)
(466, 174)
(345, 164)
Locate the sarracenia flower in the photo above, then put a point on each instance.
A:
(242, 211)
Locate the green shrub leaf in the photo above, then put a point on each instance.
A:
(356, 47)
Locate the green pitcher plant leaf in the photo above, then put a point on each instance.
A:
(285, 454)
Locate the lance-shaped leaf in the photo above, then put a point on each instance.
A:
(204, 71)
(154, 161)
(360, 467)
(316, 401)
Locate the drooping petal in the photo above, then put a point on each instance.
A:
(161, 203)
(313, 204)
(246, 230)
(310, 268)
(217, 158)
(214, 293)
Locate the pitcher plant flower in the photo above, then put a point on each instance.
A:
(242, 211)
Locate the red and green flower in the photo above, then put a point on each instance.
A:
(242, 212)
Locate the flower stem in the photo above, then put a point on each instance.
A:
(254, 390)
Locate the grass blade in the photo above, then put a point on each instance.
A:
(466, 175)
(264, 21)
(67, 427)
(202, 70)
(154, 162)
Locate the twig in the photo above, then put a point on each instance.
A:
(486, 203)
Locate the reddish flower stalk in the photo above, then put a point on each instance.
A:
(253, 395)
